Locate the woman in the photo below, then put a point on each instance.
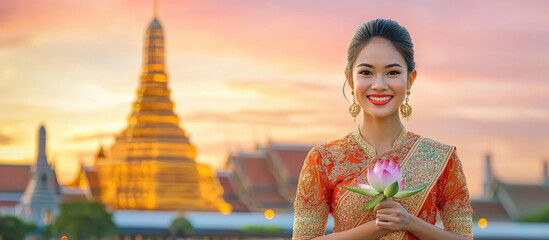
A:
(380, 71)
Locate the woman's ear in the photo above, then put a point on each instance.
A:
(349, 80)
(411, 78)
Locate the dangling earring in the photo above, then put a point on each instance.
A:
(354, 109)
(406, 109)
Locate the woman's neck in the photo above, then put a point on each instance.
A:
(381, 133)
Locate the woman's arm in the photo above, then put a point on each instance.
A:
(312, 201)
(426, 231)
(453, 203)
(365, 231)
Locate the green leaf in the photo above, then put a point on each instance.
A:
(409, 192)
(374, 202)
(367, 192)
(391, 190)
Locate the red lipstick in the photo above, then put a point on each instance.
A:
(379, 99)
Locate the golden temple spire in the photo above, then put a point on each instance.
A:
(154, 66)
(151, 164)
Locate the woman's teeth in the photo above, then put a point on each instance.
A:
(379, 99)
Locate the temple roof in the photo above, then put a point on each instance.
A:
(14, 178)
(522, 199)
(155, 24)
(290, 156)
(256, 170)
(491, 210)
(100, 153)
(229, 193)
(266, 177)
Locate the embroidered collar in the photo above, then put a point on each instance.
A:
(370, 150)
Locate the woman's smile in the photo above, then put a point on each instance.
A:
(379, 99)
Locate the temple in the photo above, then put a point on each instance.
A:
(504, 201)
(151, 164)
(265, 178)
(40, 201)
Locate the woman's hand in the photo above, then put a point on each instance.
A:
(392, 216)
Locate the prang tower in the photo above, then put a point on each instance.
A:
(40, 202)
(151, 164)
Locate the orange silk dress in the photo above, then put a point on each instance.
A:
(344, 162)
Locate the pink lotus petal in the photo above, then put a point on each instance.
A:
(385, 166)
(377, 168)
(398, 172)
(373, 180)
(392, 166)
(365, 186)
(400, 185)
(386, 179)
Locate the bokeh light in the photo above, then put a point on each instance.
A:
(225, 208)
(482, 223)
(269, 214)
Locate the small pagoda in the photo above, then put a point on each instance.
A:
(40, 202)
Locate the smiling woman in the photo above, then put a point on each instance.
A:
(380, 73)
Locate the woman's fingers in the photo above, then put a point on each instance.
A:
(385, 204)
(388, 211)
(390, 222)
(387, 225)
(387, 218)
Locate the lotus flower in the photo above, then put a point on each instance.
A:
(385, 182)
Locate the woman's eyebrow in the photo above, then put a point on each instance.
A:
(370, 66)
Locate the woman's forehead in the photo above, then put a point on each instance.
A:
(379, 51)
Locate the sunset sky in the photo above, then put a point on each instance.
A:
(243, 71)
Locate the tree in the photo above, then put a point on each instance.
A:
(84, 219)
(541, 215)
(13, 228)
(47, 233)
(182, 227)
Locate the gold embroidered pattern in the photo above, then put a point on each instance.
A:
(454, 206)
(369, 149)
(311, 203)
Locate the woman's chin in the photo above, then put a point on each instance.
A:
(381, 114)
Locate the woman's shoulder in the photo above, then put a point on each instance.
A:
(335, 146)
(432, 143)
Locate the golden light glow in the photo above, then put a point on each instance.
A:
(482, 223)
(64, 238)
(269, 214)
(225, 208)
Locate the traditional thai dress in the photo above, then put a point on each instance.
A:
(344, 162)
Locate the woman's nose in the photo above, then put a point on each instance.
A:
(379, 83)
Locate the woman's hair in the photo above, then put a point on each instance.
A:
(383, 28)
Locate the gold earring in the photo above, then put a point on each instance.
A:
(406, 109)
(354, 109)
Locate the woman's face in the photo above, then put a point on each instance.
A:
(380, 79)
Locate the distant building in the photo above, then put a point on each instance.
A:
(504, 201)
(14, 179)
(263, 179)
(40, 200)
(85, 185)
(34, 188)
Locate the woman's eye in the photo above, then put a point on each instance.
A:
(393, 72)
(365, 72)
